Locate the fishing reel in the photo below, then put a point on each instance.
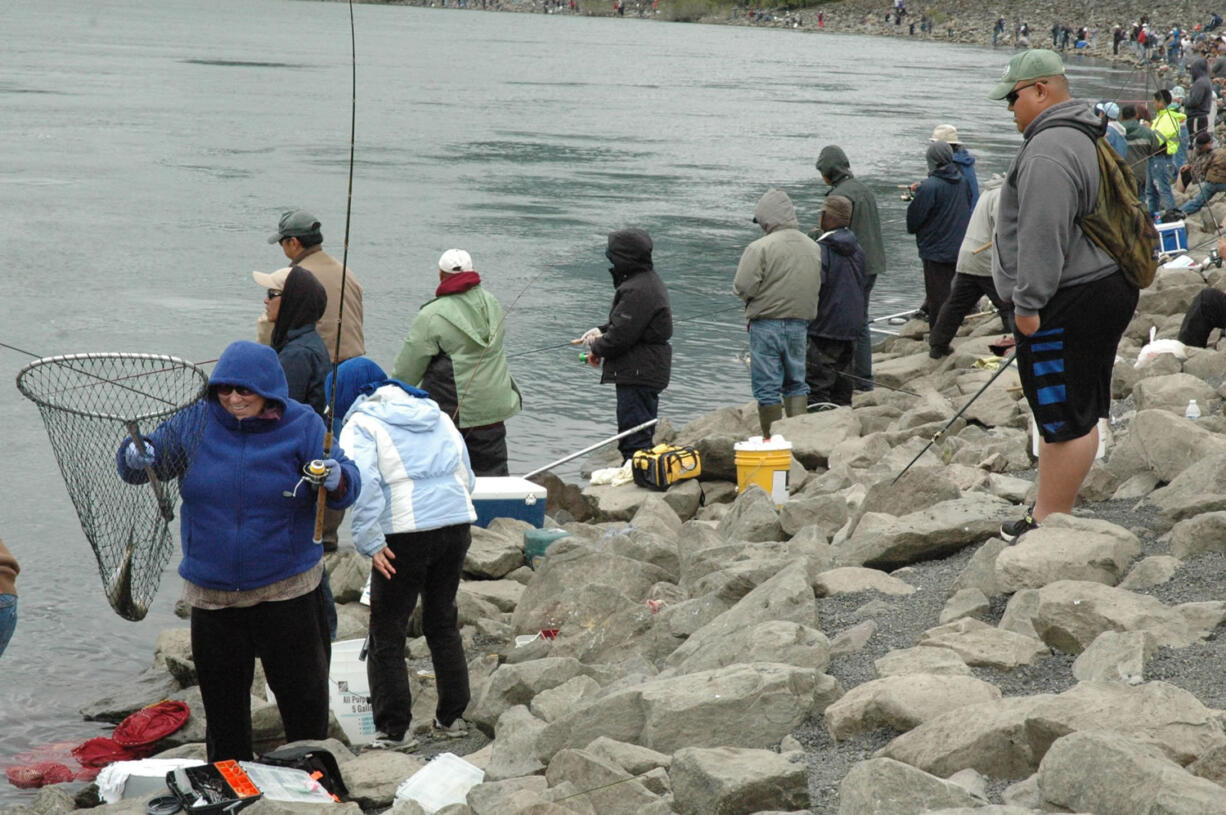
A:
(313, 472)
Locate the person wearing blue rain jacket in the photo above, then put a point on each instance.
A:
(413, 519)
(252, 571)
(962, 157)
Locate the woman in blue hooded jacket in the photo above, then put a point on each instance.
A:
(251, 568)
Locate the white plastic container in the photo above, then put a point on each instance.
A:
(1193, 410)
(445, 780)
(349, 692)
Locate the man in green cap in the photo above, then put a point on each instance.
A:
(1071, 301)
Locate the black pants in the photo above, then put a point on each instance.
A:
(1207, 312)
(937, 278)
(963, 295)
(636, 405)
(826, 361)
(864, 345)
(487, 448)
(290, 637)
(427, 564)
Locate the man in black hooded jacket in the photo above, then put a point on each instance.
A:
(1200, 97)
(937, 217)
(633, 344)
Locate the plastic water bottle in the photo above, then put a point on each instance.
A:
(1193, 410)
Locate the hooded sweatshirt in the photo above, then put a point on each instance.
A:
(634, 342)
(414, 465)
(779, 275)
(243, 525)
(966, 163)
(1200, 94)
(1053, 181)
(299, 347)
(832, 163)
(454, 352)
(840, 308)
(941, 208)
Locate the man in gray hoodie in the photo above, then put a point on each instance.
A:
(779, 278)
(1071, 301)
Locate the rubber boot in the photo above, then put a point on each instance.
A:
(796, 405)
(767, 414)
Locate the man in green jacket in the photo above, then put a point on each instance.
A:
(454, 352)
(832, 163)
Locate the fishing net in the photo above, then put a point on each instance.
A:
(91, 403)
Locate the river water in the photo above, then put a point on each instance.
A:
(150, 148)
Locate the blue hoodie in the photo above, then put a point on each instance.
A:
(941, 209)
(414, 464)
(239, 527)
(966, 163)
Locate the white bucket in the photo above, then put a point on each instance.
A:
(349, 692)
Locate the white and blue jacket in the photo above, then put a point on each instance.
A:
(416, 475)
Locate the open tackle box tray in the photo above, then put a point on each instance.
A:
(212, 788)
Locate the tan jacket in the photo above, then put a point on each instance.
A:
(1210, 166)
(779, 276)
(8, 571)
(328, 271)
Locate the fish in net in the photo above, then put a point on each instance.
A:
(91, 404)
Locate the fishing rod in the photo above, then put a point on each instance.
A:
(322, 494)
(591, 447)
(937, 435)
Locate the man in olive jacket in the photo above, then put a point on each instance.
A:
(832, 163)
(454, 352)
(633, 344)
(779, 278)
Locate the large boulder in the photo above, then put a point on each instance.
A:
(983, 645)
(883, 786)
(1106, 772)
(1199, 534)
(815, 435)
(1169, 443)
(601, 785)
(901, 702)
(1201, 487)
(517, 684)
(940, 530)
(1171, 393)
(1067, 548)
(493, 554)
(779, 641)
(742, 705)
(752, 517)
(731, 781)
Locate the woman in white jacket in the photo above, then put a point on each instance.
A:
(413, 520)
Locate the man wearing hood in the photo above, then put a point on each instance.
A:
(779, 278)
(832, 163)
(832, 334)
(1199, 101)
(633, 344)
(962, 157)
(454, 352)
(1071, 300)
(937, 216)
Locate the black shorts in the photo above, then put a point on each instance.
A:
(1065, 366)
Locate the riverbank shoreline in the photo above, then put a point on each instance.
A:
(956, 22)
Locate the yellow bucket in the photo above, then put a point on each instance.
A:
(765, 463)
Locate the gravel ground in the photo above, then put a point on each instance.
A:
(900, 621)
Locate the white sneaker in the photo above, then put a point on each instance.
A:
(383, 741)
(455, 730)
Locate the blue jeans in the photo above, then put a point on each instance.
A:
(8, 619)
(1158, 195)
(1207, 190)
(777, 351)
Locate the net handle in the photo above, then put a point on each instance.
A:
(163, 505)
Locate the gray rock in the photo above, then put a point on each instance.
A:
(658, 516)
(174, 649)
(743, 705)
(1152, 571)
(490, 797)
(1106, 772)
(815, 435)
(632, 758)
(883, 786)
(153, 685)
(827, 512)
(753, 517)
(347, 573)
(502, 594)
(1171, 392)
(731, 781)
(1071, 613)
(853, 579)
(983, 645)
(512, 685)
(1197, 535)
(921, 660)
(657, 549)
(903, 701)
(609, 788)
(779, 641)
(619, 503)
(965, 603)
(1198, 489)
(935, 532)
(493, 555)
(580, 586)
(853, 639)
(372, 777)
(1019, 614)
(1114, 657)
(980, 571)
(1136, 486)
(1067, 548)
(553, 703)
(514, 752)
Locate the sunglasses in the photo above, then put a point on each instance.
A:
(226, 390)
(1011, 96)
(272, 294)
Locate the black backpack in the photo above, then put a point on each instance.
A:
(314, 760)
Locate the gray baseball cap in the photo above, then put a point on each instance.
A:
(294, 224)
(1031, 64)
